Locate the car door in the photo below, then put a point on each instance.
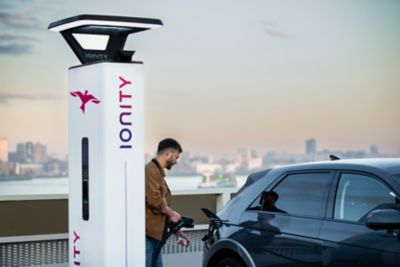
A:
(347, 239)
(282, 225)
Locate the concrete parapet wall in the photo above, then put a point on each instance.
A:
(48, 214)
(33, 217)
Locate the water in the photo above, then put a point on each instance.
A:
(59, 185)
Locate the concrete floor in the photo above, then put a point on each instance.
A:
(182, 259)
(169, 260)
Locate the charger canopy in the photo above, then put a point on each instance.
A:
(95, 38)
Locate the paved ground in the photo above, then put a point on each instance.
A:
(183, 259)
(169, 260)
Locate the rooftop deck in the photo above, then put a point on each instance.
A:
(52, 250)
(34, 232)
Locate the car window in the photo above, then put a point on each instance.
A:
(252, 179)
(301, 194)
(357, 195)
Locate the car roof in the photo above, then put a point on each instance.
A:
(390, 165)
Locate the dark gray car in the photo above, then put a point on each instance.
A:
(336, 213)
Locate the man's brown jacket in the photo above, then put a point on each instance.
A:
(158, 196)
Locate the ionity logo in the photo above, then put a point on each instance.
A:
(125, 115)
(85, 98)
(76, 252)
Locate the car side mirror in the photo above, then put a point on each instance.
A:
(388, 219)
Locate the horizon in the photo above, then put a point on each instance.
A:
(262, 152)
(262, 75)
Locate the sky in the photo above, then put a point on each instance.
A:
(221, 75)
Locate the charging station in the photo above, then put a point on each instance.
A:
(106, 142)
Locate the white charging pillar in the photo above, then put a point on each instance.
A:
(106, 143)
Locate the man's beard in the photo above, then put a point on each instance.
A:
(169, 165)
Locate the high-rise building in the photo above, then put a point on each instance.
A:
(13, 157)
(21, 152)
(3, 150)
(248, 159)
(29, 152)
(311, 146)
(26, 152)
(39, 153)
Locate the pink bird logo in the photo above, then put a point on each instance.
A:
(85, 98)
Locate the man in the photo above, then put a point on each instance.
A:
(268, 200)
(159, 213)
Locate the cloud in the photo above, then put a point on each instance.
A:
(5, 97)
(14, 37)
(8, 4)
(18, 21)
(16, 26)
(270, 28)
(275, 33)
(15, 49)
(12, 44)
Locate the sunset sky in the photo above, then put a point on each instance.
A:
(221, 74)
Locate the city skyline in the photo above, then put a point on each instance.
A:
(257, 74)
(310, 146)
(31, 159)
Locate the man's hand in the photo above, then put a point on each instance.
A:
(175, 217)
(183, 238)
(172, 215)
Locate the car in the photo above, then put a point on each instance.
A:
(332, 213)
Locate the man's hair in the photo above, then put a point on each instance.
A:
(270, 193)
(168, 143)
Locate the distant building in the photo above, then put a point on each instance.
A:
(254, 163)
(55, 167)
(13, 157)
(39, 153)
(3, 150)
(230, 168)
(311, 147)
(31, 153)
(269, 158)
(248, 159)
(4, 169)
(245, 154)
(21, 152)
(374, 150)
(30, 169)
(206, 167)
(210, 158)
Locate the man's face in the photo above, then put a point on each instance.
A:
(172, 158)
